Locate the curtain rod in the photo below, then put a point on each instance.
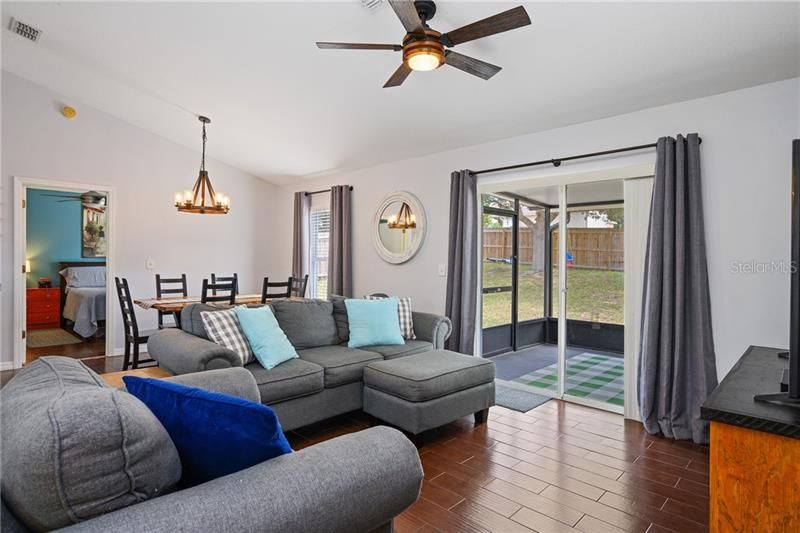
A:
(312, 193)
(556, 162)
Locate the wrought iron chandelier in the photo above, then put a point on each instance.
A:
(194, 201)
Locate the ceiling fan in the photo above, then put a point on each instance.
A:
(424, 48)
(96, 201)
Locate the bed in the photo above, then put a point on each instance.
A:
(83, 297)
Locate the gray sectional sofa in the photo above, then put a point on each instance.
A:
(84, 457)
(326, 380)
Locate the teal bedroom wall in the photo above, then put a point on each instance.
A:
(53, 234)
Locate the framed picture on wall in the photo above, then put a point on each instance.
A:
(93, 229)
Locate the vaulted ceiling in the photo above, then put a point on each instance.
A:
(282, 109)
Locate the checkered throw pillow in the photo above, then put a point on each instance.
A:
(223, 328)
(404, 315)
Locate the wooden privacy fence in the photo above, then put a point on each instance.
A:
(599, 248)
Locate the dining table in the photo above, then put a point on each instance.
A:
(176, 304)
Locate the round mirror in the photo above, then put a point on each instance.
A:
(399, 227)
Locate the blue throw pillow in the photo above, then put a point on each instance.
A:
(373, 322)
(215, 434)
(267, 340)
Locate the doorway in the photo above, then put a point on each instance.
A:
(553, 290)
(63, 242)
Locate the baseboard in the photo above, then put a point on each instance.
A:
(6, 365)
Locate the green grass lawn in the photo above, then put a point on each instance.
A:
(593, 295)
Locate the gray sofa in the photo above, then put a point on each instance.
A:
(84, 457)
(326, 380)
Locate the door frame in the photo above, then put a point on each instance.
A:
(514, 215)
(21, 186)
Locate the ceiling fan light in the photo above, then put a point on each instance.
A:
(425, 59)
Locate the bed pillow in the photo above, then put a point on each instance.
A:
(266, 338)
(222, 327)
(85, 276)
(215, 434)
(403, 314)
(373, 323)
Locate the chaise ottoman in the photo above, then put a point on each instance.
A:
(424, 391)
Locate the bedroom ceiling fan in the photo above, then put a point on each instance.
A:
(93, 200)
(425, 48)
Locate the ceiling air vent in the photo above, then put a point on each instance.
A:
(371, 4)
(24, 30)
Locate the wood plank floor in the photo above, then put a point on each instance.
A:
(558, 468)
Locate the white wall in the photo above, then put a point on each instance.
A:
(746, 159)
(146, 170)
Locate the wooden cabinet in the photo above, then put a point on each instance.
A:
(43, 308)
(755, 481)
(755, 450)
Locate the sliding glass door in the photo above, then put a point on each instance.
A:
(552, 292)
(590, 250)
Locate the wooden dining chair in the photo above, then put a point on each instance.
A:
(299, 286)
(225, 279)
(283, 289)
(170, 286)
(229, 287)
(133, 337)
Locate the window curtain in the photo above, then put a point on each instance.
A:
(462, 261)
(340, 270)
(300, 235)
(677, 365)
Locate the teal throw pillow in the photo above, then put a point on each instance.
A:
(373, 322)
(267, 340)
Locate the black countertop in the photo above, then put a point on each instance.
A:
(757, 372)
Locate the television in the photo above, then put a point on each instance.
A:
(792, 375)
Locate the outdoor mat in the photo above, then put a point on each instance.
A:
(592, 376)
(39, 338)
(516, 398)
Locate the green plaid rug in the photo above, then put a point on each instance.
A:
(589, 375)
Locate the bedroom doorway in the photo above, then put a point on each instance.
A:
(62, 244)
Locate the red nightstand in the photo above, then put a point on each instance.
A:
(44, 308)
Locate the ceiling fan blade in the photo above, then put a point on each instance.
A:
(358, 46)
(505, 21)
(407, 13)
(62, 195)
(470, 65)
(399, 76)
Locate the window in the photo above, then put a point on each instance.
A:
(320, 235)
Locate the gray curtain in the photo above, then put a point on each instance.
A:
(462, 261)
(300, 234)
(340, 270)
(677, 366)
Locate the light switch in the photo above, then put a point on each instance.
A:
(149, 264)
(442, 269)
